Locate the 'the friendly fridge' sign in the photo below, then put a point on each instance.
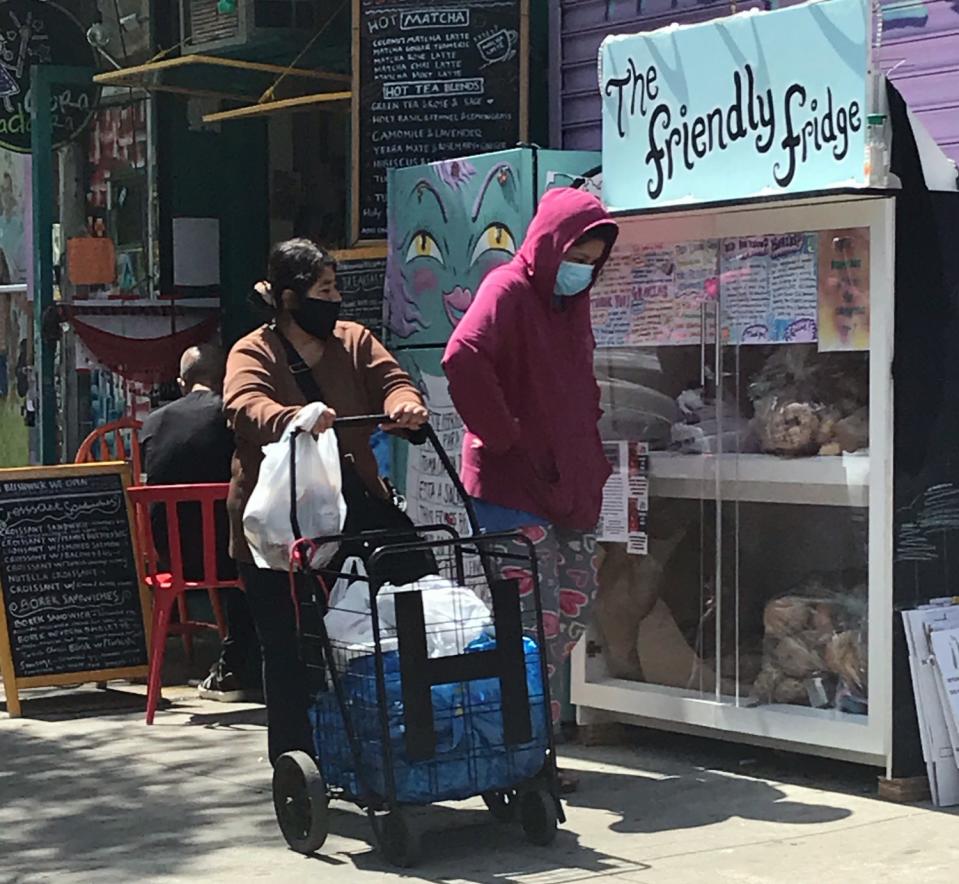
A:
(758, 103)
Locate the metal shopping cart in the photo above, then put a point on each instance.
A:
(434, 690)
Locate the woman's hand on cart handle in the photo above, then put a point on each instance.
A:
(324, 422)
(417, 437)
(407, 416)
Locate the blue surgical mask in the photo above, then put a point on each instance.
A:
(573, 279)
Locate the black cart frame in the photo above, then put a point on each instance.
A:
(300, 794)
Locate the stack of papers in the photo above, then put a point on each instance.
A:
(932, 632)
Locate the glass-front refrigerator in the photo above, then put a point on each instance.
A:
(744, 358)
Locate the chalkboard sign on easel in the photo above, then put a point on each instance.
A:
(432, 83)
(74, 604)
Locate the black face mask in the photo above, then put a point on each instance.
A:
(317, 318)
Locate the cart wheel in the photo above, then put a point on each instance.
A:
(502, 805)
(537, 815)
(399, 843)
(300, 801)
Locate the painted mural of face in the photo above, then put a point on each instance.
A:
(452, 227)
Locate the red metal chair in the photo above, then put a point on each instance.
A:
(117, 440)
(120, 440)
(170, 585)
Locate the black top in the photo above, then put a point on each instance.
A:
(188, 443)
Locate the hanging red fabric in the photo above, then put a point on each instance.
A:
(148, 360)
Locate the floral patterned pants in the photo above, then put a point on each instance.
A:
(567, 564)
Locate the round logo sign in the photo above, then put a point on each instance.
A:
(34, 33)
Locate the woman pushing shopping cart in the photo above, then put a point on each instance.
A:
(427, 679)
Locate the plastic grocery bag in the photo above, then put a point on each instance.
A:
(454, 615)
(320, 507)
(348, 612)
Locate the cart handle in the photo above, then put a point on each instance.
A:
(361, 420)
(415, 437)
(424, 434)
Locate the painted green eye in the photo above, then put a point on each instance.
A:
(424, 246)
(496, 238)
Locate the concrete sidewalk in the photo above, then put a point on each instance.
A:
(104, 798)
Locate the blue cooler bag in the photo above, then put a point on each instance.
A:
(470, 757)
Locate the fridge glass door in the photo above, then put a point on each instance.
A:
(657, 604)
(793, 561)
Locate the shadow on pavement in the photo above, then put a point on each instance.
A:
(229, 719)
(460, 841)
(70, 805)
(660, 788)
(656, 796)
(466, 845)
(65, 704)
(646, 803)
(124, 803)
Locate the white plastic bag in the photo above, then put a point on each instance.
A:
(320, 508)
(454, 615)
(348, 613)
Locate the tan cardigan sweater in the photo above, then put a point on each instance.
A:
(357, 375)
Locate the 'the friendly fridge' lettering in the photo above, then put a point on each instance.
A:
(790, 128)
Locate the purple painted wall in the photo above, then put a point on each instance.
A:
(920, 46)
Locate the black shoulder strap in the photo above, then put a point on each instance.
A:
(311, 393)
(301, 372)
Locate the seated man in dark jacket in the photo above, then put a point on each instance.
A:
(188, 443)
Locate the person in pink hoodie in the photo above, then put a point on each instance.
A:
(520, 371)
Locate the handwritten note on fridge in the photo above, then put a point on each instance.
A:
(653, 294)
(770, 289)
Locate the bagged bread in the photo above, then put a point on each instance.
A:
(816, 631)
(808, 403)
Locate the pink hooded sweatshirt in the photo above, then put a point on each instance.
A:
(520, 370)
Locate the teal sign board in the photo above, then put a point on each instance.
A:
(759, 103)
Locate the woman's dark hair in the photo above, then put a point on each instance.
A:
(297, 265)
(606, 233)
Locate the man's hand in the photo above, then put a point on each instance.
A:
(408, 416)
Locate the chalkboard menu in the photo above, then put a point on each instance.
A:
(71, 593)
(33, 33)
(434, 82)
(361, 284)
